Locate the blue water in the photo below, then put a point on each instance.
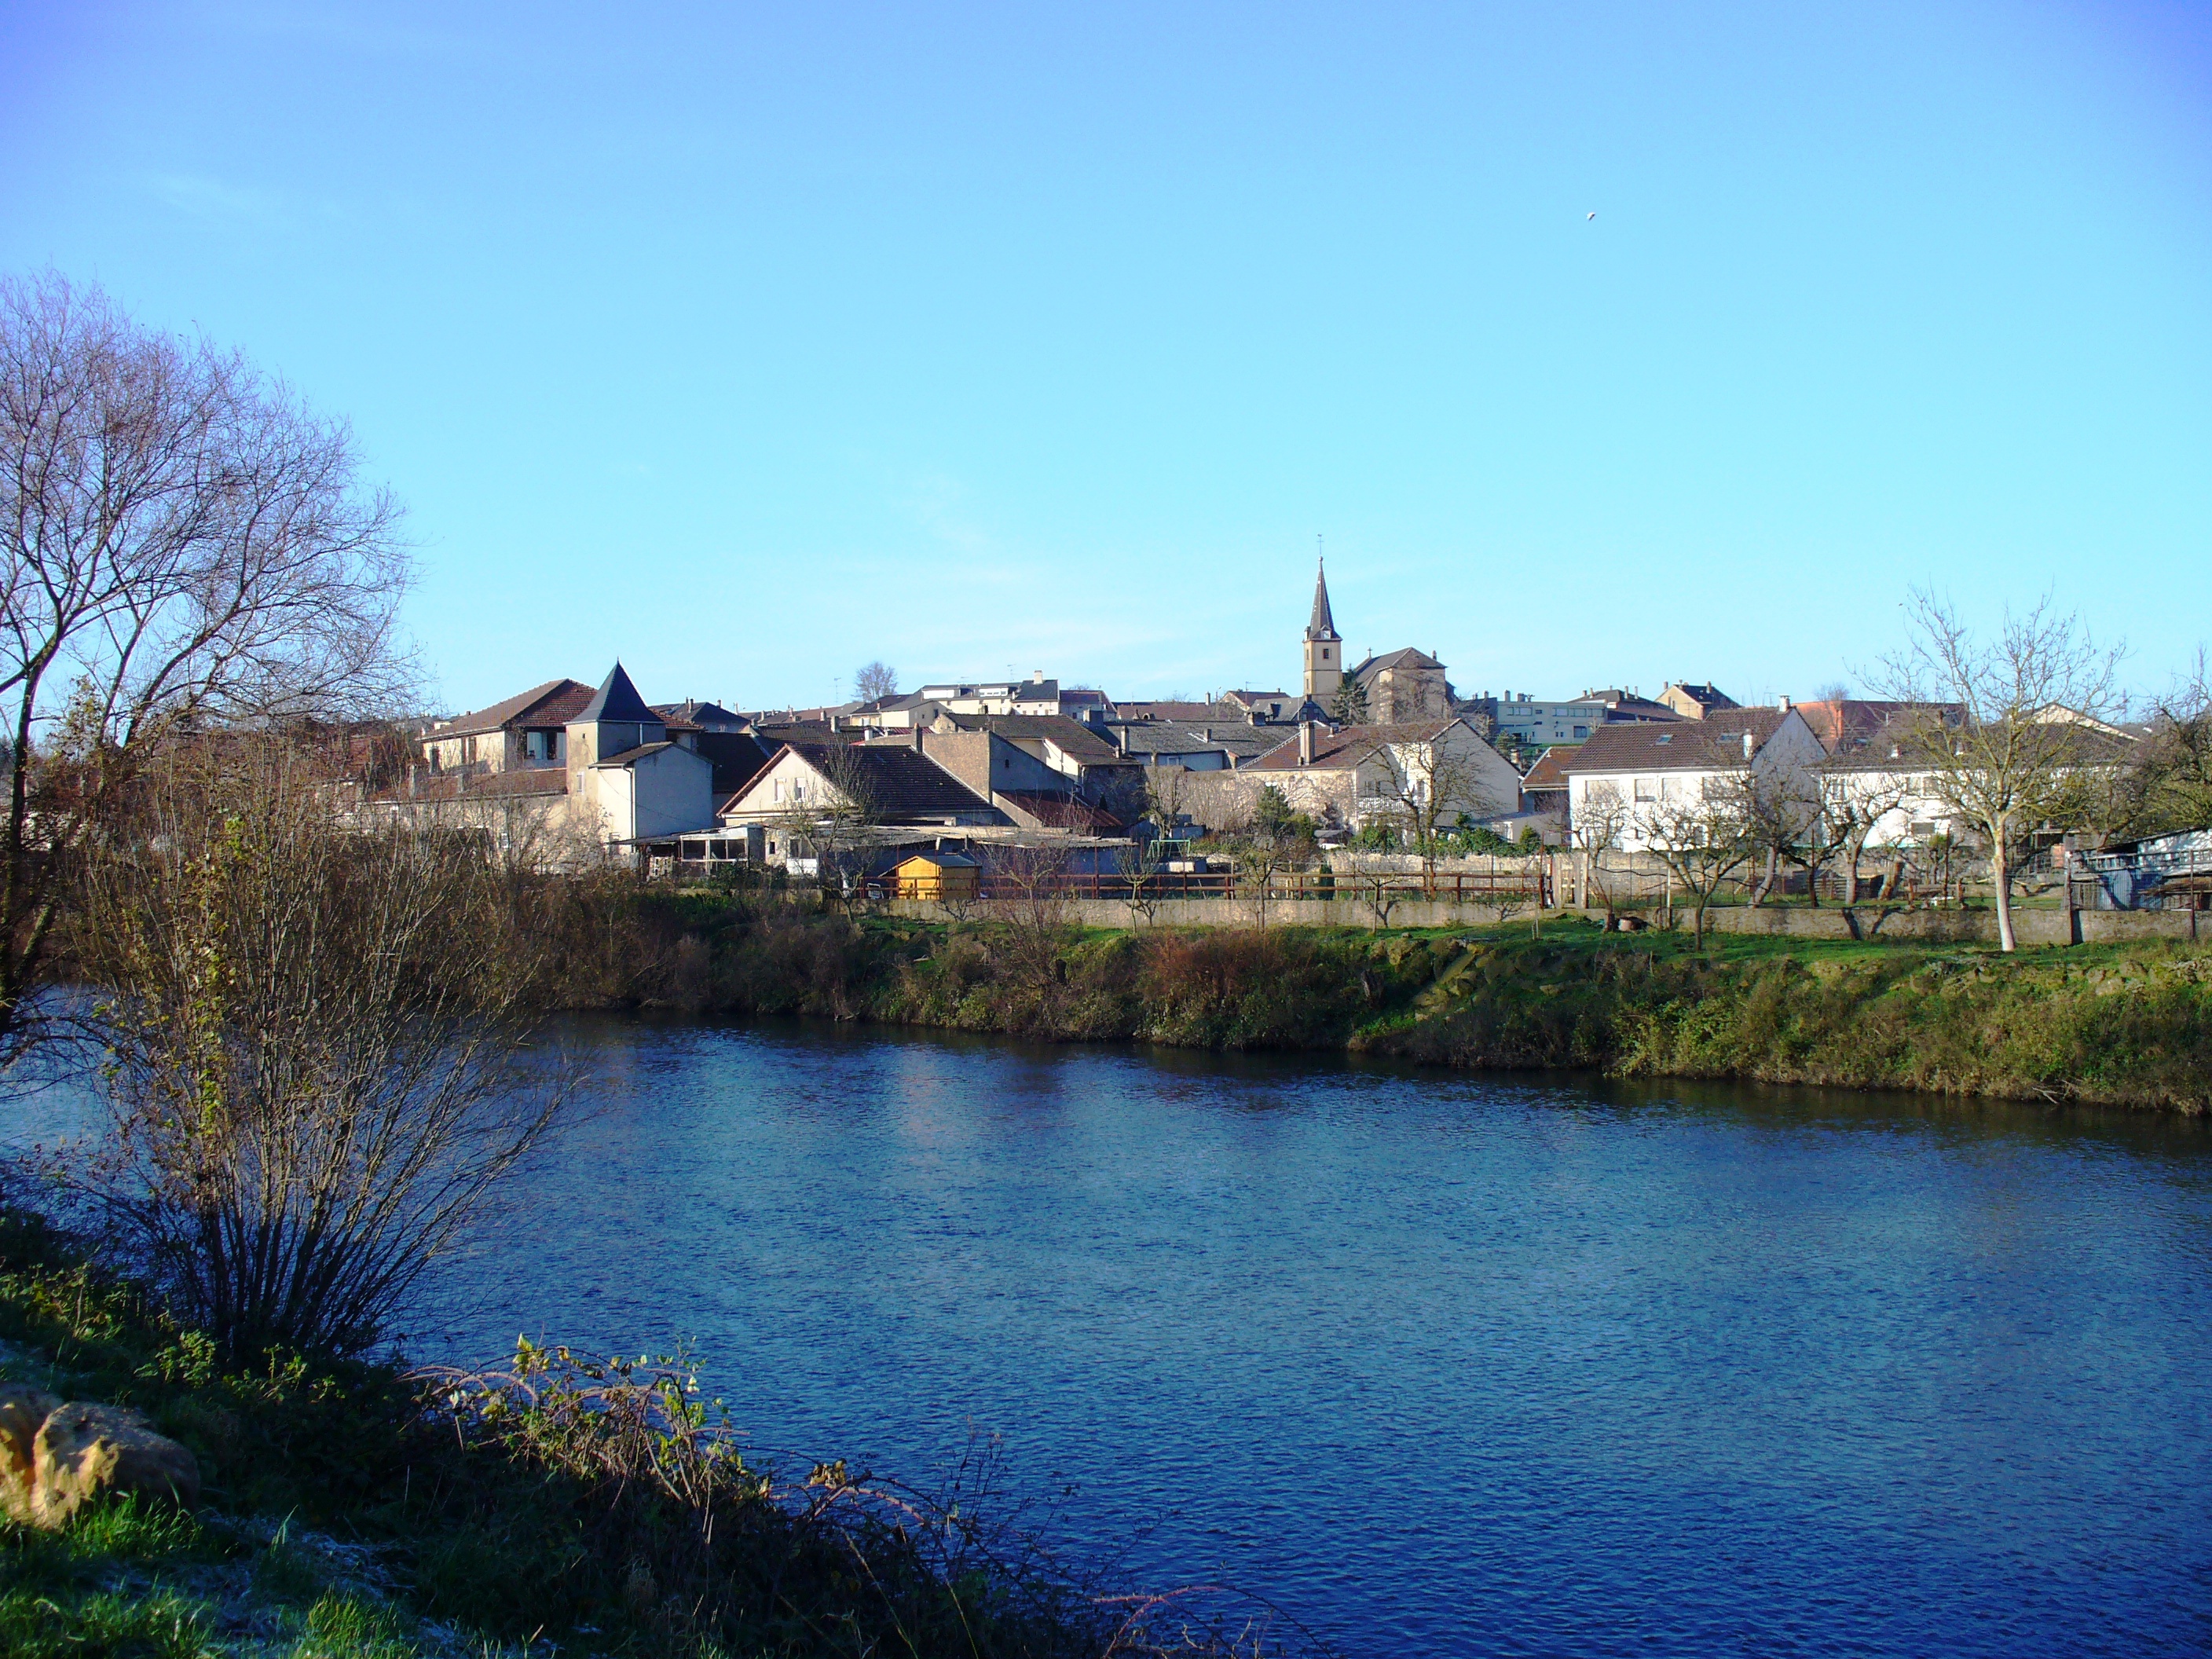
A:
(1437, 1363)
(1434, 1364)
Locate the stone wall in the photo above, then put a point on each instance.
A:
(1970, 927)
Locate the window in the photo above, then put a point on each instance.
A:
(778, 789)
(1647, 789)
(1581, 732)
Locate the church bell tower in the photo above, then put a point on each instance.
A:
(1324, 650)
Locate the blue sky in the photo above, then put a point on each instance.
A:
(749, 344)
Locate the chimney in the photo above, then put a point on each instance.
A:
(1783, 703)
(1037, 677)
(1747, 745)
(1305, 742)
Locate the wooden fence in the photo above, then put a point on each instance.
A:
(1440, 887)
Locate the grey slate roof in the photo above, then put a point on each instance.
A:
(902, 785)
(1406, 658)
(736, 757)
(1075, 739)
(1324, 625)
(1347, 747)
(617, 700)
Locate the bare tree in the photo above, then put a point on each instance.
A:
(1427, 786)
(1702, 840)
(875, 680)
(182, 544)
(836, 821)
(1780, 814)
(1852, 804)
(1140, 868)
(315, 1039)
(2008, 730)
(1277, 840)
(1600, 820)
(1029, 889)
(2170, 786)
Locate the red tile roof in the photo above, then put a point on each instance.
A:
(1712, 744)
(1548, 772)
(554, 703)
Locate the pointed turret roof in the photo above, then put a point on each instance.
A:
(617, 700)
(1323, 626)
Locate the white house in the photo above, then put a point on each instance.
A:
(1648, 768)
(1374, 773)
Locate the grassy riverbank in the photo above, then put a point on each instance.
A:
(2120, 1024)
(354, 1512)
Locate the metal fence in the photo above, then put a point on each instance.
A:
(2149, 879)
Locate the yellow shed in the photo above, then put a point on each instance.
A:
(938, 875)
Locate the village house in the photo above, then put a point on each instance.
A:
(873, 800)
(1170, 743)
(1870, 744)
(693, 716)
(1694, 702)
(1351, 777)
(1626, 707)
(1272, 707)
(1028, 774)
(562, 796)
(1036, 695)
(524, 731)
(1081, 758)
(1521, 719)
(1544, 792)
(1650, 768)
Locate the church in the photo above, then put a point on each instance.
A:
(1395, 689)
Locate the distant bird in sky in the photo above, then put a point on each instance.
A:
(1591, 216)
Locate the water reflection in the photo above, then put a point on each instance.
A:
(1443, 1364)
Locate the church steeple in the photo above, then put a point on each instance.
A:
(1323, 626)
(1324, 651)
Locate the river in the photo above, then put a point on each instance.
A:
(1433, 1363)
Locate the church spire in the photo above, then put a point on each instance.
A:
(1323, 626)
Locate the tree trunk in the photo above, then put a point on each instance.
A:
(2001, 882)
(1851, 878)
(1697, 926)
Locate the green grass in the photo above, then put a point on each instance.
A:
(2113, 1024)
(341, 1523)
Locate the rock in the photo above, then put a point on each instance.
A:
(22, 1410)
(82, 1451)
